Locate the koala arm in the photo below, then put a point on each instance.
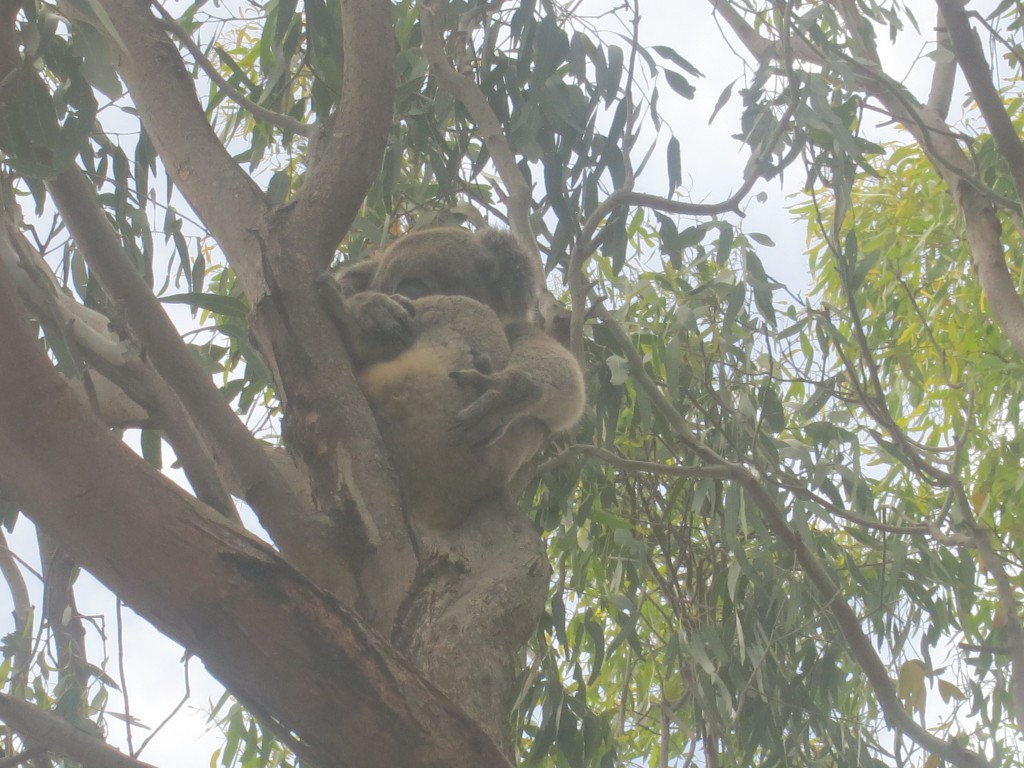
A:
(375, 326)
(542, 380)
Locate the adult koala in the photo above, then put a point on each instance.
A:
(465, 384)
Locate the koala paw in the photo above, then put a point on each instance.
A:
(383, 319)
(505, 396)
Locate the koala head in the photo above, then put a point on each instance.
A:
(488, 265)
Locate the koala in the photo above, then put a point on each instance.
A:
(465, 386)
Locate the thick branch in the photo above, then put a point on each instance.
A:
(61, 736)
(971, 58)
(259, 626)
(944, 75)
(348, 159)
(273, 485)
(329, 425)
(26, 755)
(117, 410)
(139, 397)
(229, 440)
(984, 236)
(220, 192)
(270, 483)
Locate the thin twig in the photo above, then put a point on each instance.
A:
(286, 123)
(632, 465)
(489, 126)
(185, 697)
(122, 677)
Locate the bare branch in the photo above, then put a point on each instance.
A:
(349, 157)
(22, 614)
(462, 87)
(220, 192)
(139, 397)
(286, 123)
(61, 614)
(971, 58)
(631, 465)
(61, 736)
(228, 439)
(944, 75)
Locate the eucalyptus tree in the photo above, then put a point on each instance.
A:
(784, 526)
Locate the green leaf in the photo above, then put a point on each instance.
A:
(772, 412)
(228, 306)
(325, 44)
(152, 448)
(675, 165)
(97, 60)
(668, 53)
(614, 76)
(679, 84)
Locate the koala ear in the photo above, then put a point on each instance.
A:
(356, 278)
(511, 269)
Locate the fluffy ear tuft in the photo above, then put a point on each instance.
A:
(515, 274)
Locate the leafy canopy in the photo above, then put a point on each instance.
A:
(878, 414)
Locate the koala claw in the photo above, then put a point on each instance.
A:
(483, 421)
(506, 396)
(386, 317)
(473, 377)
